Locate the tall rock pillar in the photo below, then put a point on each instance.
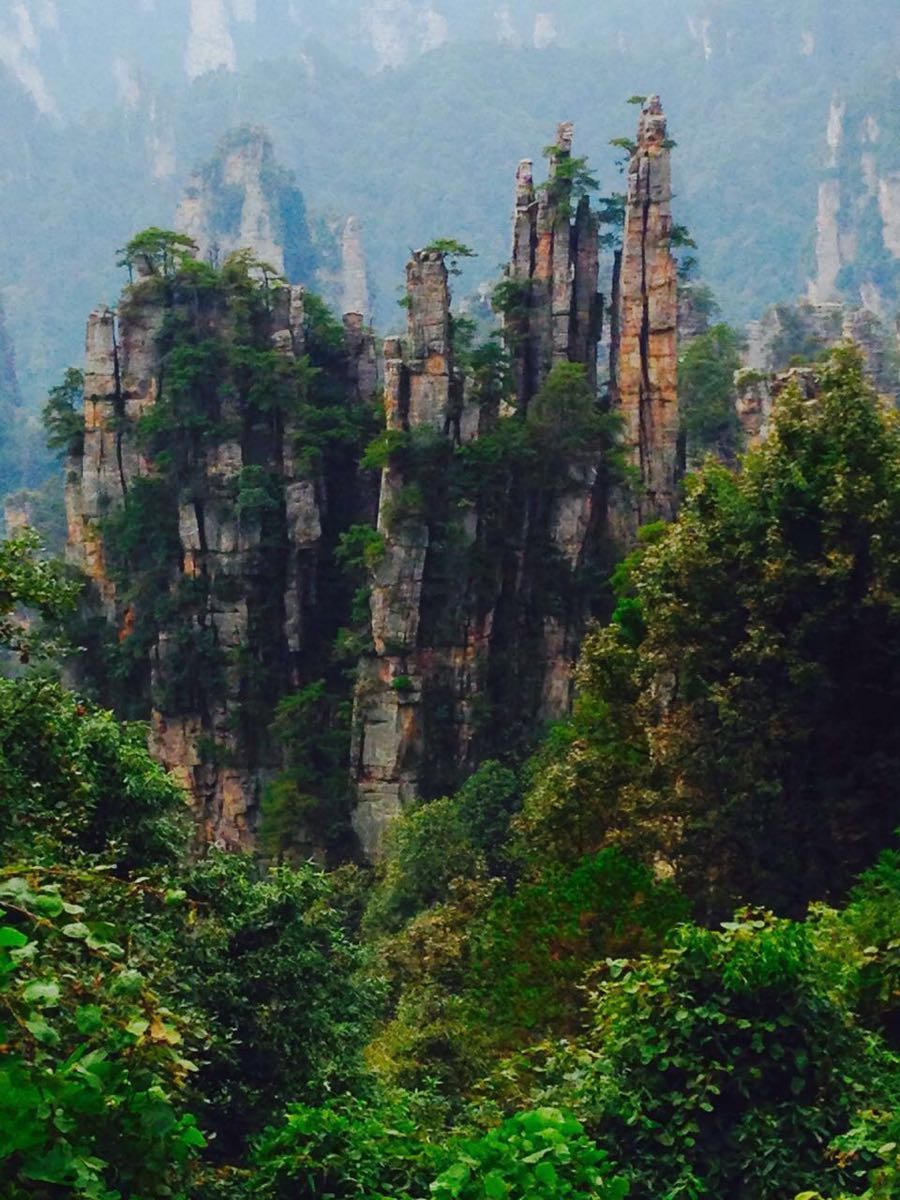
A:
(645, 386)
(554, 315)
(419, 395)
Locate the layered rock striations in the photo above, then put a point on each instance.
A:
(857, 247)
(222, 490)
(199, 510)
(482, 596)
(557, 312)
(644, 363)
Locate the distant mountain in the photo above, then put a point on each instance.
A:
(412, 114)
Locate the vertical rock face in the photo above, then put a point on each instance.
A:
(787, 332)
(220, 474)
(857, 257)
(354, 276)
(242, 199)
(476, 602)
(198, 512)
(557, 312)
(21, 447)
(757, 393)
(418, 396)
(646, 358)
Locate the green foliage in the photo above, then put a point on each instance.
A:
(437, 843)
(565, 422)
(386, 449)
(75, 782)
(360, 547)
(452, 251)
(680, 238)
(874, 1138)
(737, 723)
(30, 585)
(309, 801)
(92, 1084)
(380, 1151)
(706, 370)
(274, 974)
(324, 333)
(799, 336)
(63, 414)
(611, 212)
(141, 537)
(570, 180)
(157, 252)
(725, 1065)
(535, 944)
(862, 939)
(258, 492)
(428, 848)
(511, 297)
(350, 1147)
(543, 1153)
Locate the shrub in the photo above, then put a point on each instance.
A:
(535, 944)
(74, 781)
(92, 1081)
(543, 1153)
(350, 1147)
(271, 967)
(726, 1065)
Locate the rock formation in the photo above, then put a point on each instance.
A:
(756, 394)
(789, 332)
(553, 268)
(858, 211)
(198, 512)
(242, 199)
(354, 276)
(478, 603)
(221, 485)
(644, 353)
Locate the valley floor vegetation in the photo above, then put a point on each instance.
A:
(659, 959)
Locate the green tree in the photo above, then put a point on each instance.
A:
(156, 252)
(74, 782)
(725, 1066)
(736, 716)
(706, 369)
(31, 589)
(451, 251)
(269, 964)
(63, 414)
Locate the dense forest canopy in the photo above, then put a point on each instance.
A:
(520, 1000)
(460, 766)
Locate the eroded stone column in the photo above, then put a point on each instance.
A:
(647, 364)
(419, 394)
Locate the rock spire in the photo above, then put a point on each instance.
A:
(645, 364)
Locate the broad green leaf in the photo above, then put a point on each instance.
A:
(45, 993)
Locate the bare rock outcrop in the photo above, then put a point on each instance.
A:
(477, 601)
(644, 366)
(215, 609)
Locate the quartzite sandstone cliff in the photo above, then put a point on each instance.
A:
(495, 527)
